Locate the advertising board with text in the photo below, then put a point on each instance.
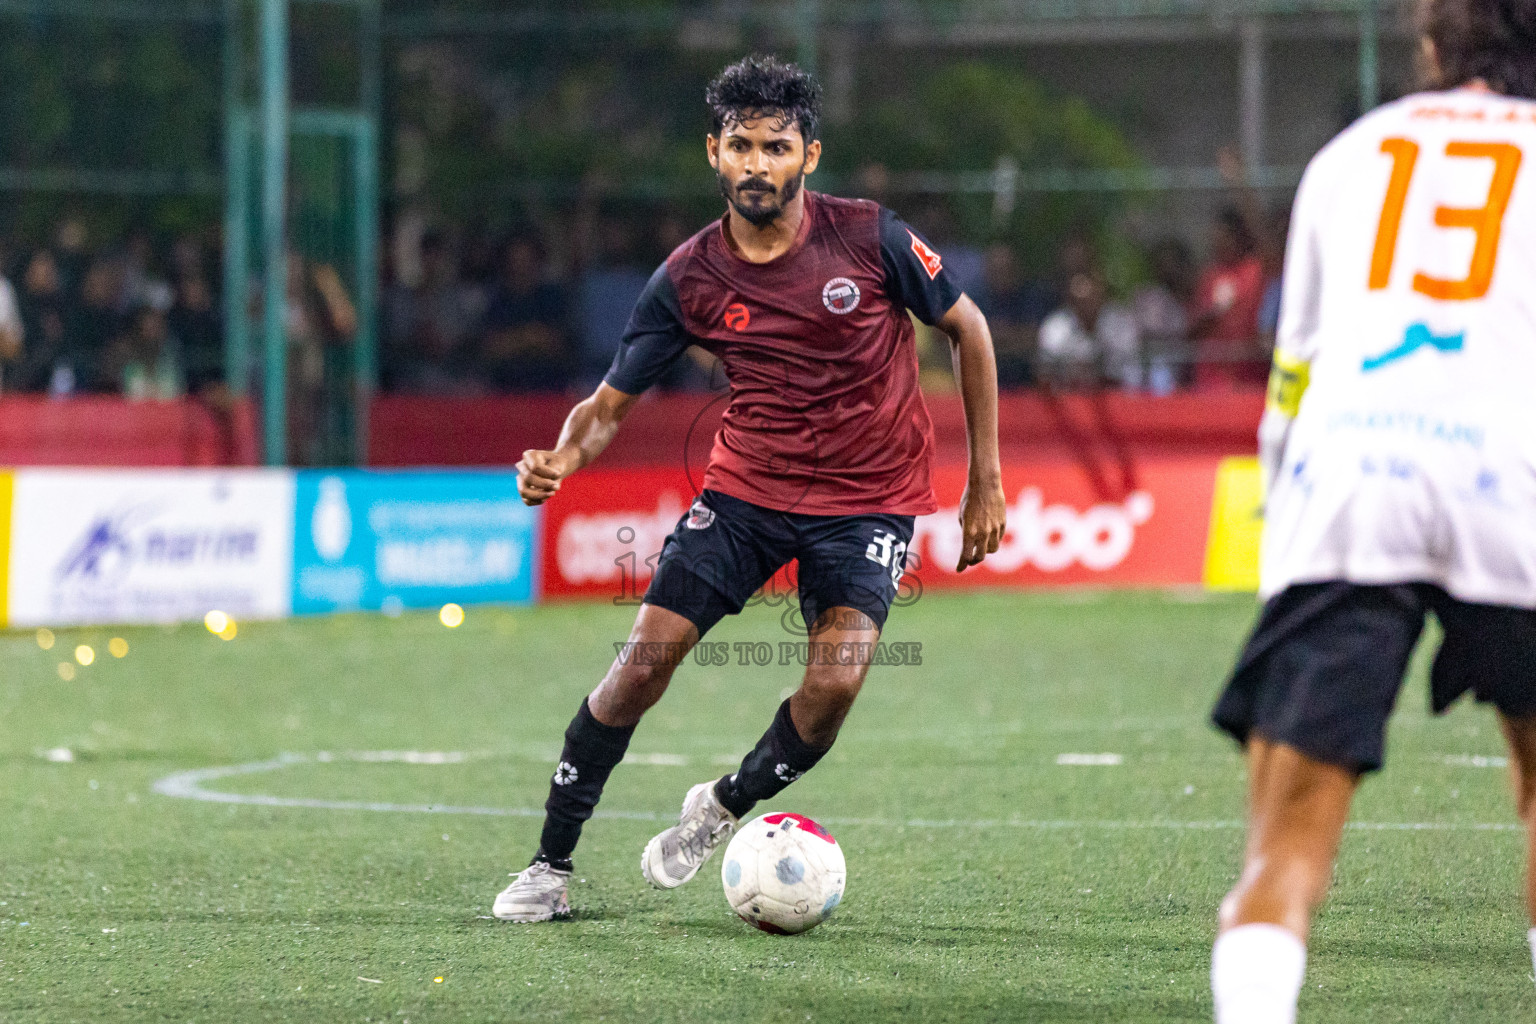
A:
(411, 540)
(103, 546)
(5, 545)
(605, 528)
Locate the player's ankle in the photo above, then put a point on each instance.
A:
(555, 863)
(1256, 974)
(730, 799)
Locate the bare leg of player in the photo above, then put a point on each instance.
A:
(802, 732)
(595, 743)
(1296, 815)
(599, 735)
(1521, 734)
(635, 681)
(828, 691)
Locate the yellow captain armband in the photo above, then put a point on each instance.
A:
(1288, 380)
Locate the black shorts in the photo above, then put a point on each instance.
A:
(724, 550)
(1326, 661)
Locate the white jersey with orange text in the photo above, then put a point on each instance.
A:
(1399, 438)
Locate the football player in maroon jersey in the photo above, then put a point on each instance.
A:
(823, 456)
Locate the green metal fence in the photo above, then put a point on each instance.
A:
(219, 72)
(278, 107)
(315, 178)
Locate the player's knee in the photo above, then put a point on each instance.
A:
(835, 688)
(828, 696)
(641, 684)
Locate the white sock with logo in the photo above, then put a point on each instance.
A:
(1256, 972)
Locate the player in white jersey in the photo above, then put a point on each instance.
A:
(1399, 448)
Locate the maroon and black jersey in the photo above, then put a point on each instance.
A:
(825, 415)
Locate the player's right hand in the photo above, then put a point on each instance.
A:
(539, 475)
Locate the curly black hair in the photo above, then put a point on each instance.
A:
(1492, 40)
(761, 85)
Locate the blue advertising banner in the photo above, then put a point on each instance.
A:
(385, 541)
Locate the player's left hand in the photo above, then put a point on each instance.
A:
(983, 518)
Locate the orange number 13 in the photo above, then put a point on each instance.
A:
(1486, 221)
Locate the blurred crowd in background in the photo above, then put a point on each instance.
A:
(132, 317)
(542, 308)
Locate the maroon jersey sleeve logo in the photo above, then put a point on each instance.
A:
(930, 259)
(737, 317)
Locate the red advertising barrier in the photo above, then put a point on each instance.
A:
(662, 429)
(105, 431)
(604, 528)
(1060, 534)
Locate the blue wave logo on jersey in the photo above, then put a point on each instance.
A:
(1418, 336)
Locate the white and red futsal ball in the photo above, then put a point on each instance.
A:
(783, 873)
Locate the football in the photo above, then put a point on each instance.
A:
(783, 873)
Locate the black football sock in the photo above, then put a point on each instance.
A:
(779, 758)
(591, 751)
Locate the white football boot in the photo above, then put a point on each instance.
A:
(675, 856)
(538, 893)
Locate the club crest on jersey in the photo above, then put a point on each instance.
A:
(700, 517)
(840, 295)
(930, 260)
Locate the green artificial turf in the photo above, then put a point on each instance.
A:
(986, 881)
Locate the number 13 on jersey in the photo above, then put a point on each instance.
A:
(1486, 221)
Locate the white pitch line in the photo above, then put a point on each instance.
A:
(659, 760)
(1090, 760)
(1474, 761)
(408, 756)
(188, 785)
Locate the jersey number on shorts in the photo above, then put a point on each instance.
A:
(1487, 221)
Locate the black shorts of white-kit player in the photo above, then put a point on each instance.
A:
(724, 550)
(1326, 661)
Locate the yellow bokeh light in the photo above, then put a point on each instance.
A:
(451, 616)
(45, 639)
(84, 654)
(66, 671)
(229, 631)
(217, 622)
(118, 647)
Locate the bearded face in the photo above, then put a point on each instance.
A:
(760, 164)
(757, 201)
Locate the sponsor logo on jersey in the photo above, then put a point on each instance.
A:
(700, 517)
(1418, 336)
(737, 317)
(930, 260)
(840, 295)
